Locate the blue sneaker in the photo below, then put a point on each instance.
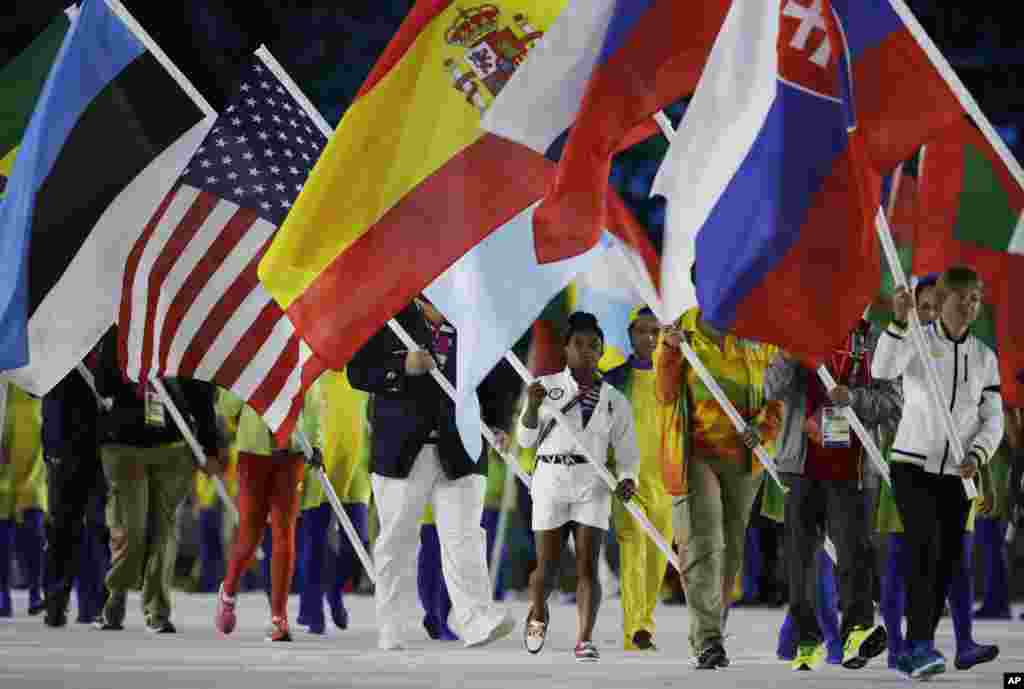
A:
(923, 661)
(975, 654)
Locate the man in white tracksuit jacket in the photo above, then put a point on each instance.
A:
(926, 478)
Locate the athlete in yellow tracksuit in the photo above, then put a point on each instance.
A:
(23, 498)
(642, 565)
(346, 463)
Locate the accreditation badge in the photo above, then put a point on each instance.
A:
(155, 412)
(835, 428)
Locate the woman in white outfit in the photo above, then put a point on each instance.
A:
(568, 494)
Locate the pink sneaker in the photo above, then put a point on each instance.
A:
(224, 620)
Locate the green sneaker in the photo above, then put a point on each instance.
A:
(863, 644)
(809, 656)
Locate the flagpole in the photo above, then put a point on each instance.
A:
(917, 337)
(104, 403)
(507, 498)
(599, 467)
(346, 523)
(709, 381)
(865, 438)
(959, 90)
(151, 45)
(200, 456)
(293, 89)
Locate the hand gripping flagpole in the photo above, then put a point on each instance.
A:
(446, 385)
(938, 397)
(353, 536)
(729, 409)
(200, 456)
(601, 469)
(318, 120)
(712, 385)
(865, 438)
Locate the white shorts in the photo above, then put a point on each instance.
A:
(563, 494)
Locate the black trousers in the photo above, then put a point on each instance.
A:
(838, 508)
(75, 485)
(934, 511)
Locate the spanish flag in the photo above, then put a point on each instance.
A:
(409, 182)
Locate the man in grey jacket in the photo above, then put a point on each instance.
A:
(822, 464)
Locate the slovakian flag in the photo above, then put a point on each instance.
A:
(625, 61)
(108, 116)
(409, 182)
(768, 172)
(969, 201)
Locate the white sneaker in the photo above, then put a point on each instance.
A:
(388, 640)
(502, 628)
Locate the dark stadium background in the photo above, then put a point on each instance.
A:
(329, 47)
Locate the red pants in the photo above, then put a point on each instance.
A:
(267, 485)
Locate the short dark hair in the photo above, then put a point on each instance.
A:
(583, 322)
(960, 277)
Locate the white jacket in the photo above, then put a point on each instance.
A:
(610, 426)
(969, 376)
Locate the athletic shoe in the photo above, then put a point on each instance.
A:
(159, 626)
(863, 644)
(643, 641)
(112, 617)
(808, 656)
(388, 640)
(503, 628)
(586, 652)
(975, 654)
(535, 632)
(224, 619)
(57, 610)
(278, 630)
(922, 662)
(712, 657)
(339, 613)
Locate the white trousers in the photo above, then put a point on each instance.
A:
(458, 506)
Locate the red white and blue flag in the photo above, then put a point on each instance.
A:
(191, 303)
(775, 169)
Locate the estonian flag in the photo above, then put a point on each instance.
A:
(107, 114)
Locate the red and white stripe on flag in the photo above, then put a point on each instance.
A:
(193, 307)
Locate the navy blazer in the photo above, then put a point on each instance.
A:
(405, 409)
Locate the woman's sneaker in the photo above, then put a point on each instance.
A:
(586, 652)
(224, 619)
(278, 630)
(535, 632)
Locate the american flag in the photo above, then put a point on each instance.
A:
(191, 304)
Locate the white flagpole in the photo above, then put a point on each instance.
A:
(293, 89)
(147, 41)
(600, 468)
(959, 90)
(197, 451)
(865, 438)
(917, 336)
(508, 493)
(339, 509)
(709, 381)
(104, 403)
